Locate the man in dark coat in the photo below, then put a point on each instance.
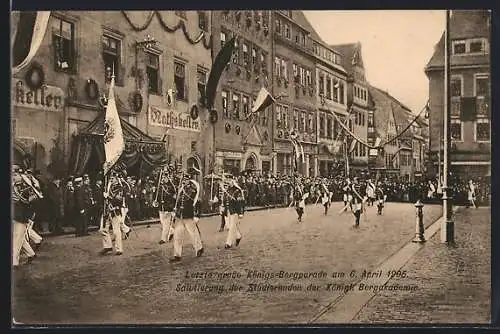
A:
(55, 196)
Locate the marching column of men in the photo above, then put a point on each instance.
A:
(25, 194)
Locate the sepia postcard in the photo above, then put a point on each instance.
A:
(251, 167)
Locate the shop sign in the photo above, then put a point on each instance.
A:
(45, 98)
(173, 119)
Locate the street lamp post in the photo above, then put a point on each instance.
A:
(447, 229)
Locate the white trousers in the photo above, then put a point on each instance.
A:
(125, 229)
(117, 232)
(193, 231)
(166, 229)
(18, 239)
(35, 237)
(233, 222)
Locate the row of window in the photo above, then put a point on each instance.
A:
(481, 85)
(328, 127)
(331, 87)
(482, 130)
(327, 54)
(301, 75)
(360, 93)
(470, 46)
(260, 17)
(202, 18)
(360, 150)
(245, 53)
(303, 121)
(64, 49)
(284, 28)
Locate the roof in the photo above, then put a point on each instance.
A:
(347, 51)
(463, 24)
(130, 132)
(299, 17)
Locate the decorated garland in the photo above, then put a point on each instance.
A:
(180, 25)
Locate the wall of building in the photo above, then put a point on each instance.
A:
(241, 138)
(89, 28)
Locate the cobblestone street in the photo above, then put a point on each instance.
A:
(70, 283)
(454, 283)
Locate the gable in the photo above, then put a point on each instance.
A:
(253, 137)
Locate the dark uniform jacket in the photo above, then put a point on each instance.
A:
(56, 200)
(22, 212)
(187, 208)
(234, 202)
(166, 197)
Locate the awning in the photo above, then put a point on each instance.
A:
(142, 152)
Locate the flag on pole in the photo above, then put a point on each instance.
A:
(114, 143)
(264, 100)
(220, 63)
(29, 33)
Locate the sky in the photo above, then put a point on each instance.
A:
(395, 45)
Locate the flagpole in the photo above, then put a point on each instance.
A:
(447, 229)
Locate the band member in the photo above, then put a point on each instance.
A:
(122, 174)
(234, 208)
(23, 194)
(220, 199)
(166, 193)
(325, 200)
(187, 214)
(370, 192)
(356, 201)
(299, 197)
(346, 190)
(114, 196)
(380, 196)
(471, 194)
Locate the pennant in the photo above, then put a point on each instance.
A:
(220, 63)
(114, 143)
(264, 100)
(29, 35)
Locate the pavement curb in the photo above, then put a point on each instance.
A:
(344, 308)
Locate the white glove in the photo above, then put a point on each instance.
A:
(196, 219)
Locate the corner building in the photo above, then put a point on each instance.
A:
(470, 90)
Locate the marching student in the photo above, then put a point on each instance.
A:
(114, 196)
(187, 215)
(370, 192)
(471, 194)
(166, 192)
(234, 208)
(356, 201)
(380, 196)
(325, 200)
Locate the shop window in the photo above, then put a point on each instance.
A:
(63, 38)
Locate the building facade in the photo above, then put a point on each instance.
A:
(331, 99)
(159, 84)
(243, 142)
(293, 81)
(470, 95)
(358, 102)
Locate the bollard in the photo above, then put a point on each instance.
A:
(419, 223)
